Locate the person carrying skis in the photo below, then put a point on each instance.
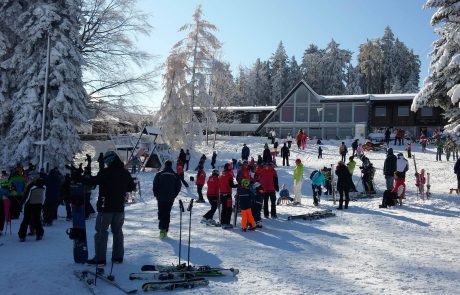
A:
(114, 182)
(354, 146)
(389, 168)
(212, 194)
(213, 160)
(225, 190)
(245, 198)
(343, 184)
(200, 180)
(285, 153)
(343, 151)
(298, 180)
(245, 152)
(317, 181)
(269, 180)
(166, 187)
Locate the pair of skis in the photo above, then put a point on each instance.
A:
(89, 279)
(313, 215)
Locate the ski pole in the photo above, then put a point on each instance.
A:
(111, 277)
(181, 210)
(190, 206)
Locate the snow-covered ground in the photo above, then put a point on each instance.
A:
(411, 249)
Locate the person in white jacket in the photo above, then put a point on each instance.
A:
(289, 140)
(402, 165)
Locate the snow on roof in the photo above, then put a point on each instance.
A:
(346, 97)
(393, 96)
(242, 108)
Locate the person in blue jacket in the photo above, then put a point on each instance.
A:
(317, 181)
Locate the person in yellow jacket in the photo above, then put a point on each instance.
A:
(298, 179)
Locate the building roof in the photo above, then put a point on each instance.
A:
(240, 108)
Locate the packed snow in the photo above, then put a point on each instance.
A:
(412, 249)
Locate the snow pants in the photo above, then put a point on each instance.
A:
(438, 154)
(199, 190)
(103, 220)
(246, 217)
(297, 191)
(286, 160)
(164, 214)
(257, 207)
(32, 216)
(50, 209)
(316, 193)
(213, 201)
(389, 181)
(226, 213)
(272, 197)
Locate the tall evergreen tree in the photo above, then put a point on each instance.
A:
(295, 73)
(335, 61)
(279, 74)
(387, 44)
(67, 98)
(370, 59)
(311, 67)
(258, 84)
(442, 86)
(353, 79)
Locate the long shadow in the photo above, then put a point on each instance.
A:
(303, 226)
(361, 210)
(430, 209)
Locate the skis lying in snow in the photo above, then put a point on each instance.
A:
(363, 196)
(88, 276)
(186, 274)
(313, 215)
(202, 270)
(174, 284)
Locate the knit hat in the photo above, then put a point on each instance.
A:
(298, 161)
(245, 182)
(110, 157)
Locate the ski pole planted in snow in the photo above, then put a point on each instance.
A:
(190, 206)
(181, 210)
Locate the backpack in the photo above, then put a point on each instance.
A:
(313, 174)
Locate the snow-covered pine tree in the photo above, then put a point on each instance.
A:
(396, 87)
(370, 61)
(335, 61)
(258, 84)
(352, 81)
(279, 74)
(387, 44)
(442, 86)
(295, 73)
(411, 85)
(311, 67)
(66, 96)
(242, 88)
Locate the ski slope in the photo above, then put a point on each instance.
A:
(413, 249)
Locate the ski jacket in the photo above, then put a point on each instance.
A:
(285, 151)
(298, 173)
(213, 158)
(245, 197)
(245, 152)
(354, 145)
(213, 186)
(180, 170)
(257, 172)
(114, 182)
(318, 179)
(53, 186)
(268, 178)
(399, 187)
(226, 182)
(343, 149)
(351, 167)
(457, 167)
(166, 185)
(284, 193)
(389, 166)
(401, 164)
(182, 157)
(200, 177)
(243, 173)
(343, 178)
(35, 194)
(267, 155)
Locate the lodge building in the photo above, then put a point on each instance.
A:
(329, 117)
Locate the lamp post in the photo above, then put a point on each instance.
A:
(42, 142)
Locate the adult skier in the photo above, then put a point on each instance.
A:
(166, 187)
(317, 181)
(225, 190)
(402, 165)
(354, 146)
(114, 182)
(34, 197)
(389, 168)
(245, 152)
(213, 160)
(298, 179)
(343, 151)
(285, 153)
(200, 180)
(269, 180)
(212, 194)
(343, 184)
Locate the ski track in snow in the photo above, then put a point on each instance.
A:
(413, 249)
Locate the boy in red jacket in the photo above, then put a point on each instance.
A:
(200, 180)
(213, 198)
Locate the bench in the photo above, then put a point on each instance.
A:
(454, 189)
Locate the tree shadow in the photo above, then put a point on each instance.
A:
(362, 210)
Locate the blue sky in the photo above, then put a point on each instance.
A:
(253, 28)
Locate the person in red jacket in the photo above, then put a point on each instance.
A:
(180, 172)
(225, 191)
(243, 173)
(213, 197)
(269, 181)
(200, 180)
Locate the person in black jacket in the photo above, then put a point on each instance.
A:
(182, 156)
(114, 182)
(53, 186)
(166, 187)
(245, 152)
(354, 146)
(343, 184)
(267, 155)
(389, 168)
(100, 160)
(213, 160)
(285, 154)
(457, 171)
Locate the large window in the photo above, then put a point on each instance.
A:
(403, 111)
(361, 113)
(345, 113)
(301, 114)
(330, 133)
(315, 116)
(330, 113)
(302, 95)
(380, 111)
(427, 112)
(346, 133)
(314, 133)
(287, 113)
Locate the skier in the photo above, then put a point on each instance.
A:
(285, 153)
(267, 156)
(298, 179)
(423, 142)
(317, 181)
(182, 156)
(213, 160)
(439, 146)
(187, 159)
(257, 203)
(225, 190)
(457, 171)
(320, 152)
(180, 172)
(389, 168)
(289, 140)
(212, 194)
(304, 140)
(53, 186)
(401, 166)
(100, 160)
(368, 172)
(34, 197)
(201, 161)
(269, 180)
(351, 165)
(354, 146)
(328, 177)
(298, 138)
(114, 182)
(245, 152)
(343, 184)
(343, 151)
(200, 180)
(245, 198)
(166, 187)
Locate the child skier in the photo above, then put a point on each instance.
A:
(284, 196)
(245, 197)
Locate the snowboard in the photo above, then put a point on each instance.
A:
(78, 231)
(174, 284)
(313, 215)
